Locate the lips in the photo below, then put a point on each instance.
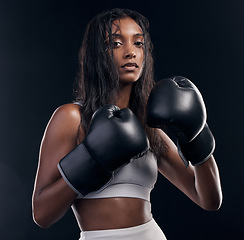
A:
(130, 65)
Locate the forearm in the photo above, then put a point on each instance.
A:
(52, 202)
(208, 186)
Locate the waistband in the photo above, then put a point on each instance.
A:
(146, 231)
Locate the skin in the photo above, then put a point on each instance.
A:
(64, 131)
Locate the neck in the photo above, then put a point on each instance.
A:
(123, 97)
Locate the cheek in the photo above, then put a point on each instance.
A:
(140, 57)
(116, 58)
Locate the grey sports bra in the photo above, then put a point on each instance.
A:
(135, 180)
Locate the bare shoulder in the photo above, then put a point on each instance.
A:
(68, 114)
(63, 129)
(65, 119)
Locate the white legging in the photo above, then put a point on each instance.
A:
(146, 231)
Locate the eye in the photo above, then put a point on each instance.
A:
(139, 43)
(117, 44)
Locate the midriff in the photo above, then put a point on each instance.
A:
(111, 213)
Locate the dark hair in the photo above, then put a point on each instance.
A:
(97, 81)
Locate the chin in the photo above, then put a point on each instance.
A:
(128, 80)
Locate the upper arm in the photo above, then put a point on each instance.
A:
(59, 138)
(201, 183)
(172, 167)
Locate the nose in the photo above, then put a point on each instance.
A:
(131, 55)
(130, 52)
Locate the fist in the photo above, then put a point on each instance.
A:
(115, 136)
(176, 103)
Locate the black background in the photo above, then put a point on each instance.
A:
(39, 42)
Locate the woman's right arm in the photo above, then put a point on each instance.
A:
(52, 197)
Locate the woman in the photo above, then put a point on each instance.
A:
(117, 68)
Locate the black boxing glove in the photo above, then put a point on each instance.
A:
(114, 137)
(177, 105)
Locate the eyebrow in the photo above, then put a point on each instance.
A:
(135, 35)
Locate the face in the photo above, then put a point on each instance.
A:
(128, 49)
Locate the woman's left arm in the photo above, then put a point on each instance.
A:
(200, 183)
